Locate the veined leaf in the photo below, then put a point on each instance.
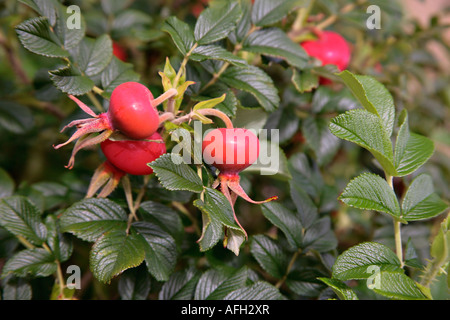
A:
(343, 291)
(371, 192)
(71, 81)
(15, 118)
(274, 42)
(411, 150)
(366, 130)
(35, 35)
(267, 12)
(398, 286)
(176, 175)
(216, 284)
(304, 80)
(117, 72)
(374, 97)
(69, 37)
(180, 286)
(7, 184)
(215, 52)
(181, 34)
(88, 219)
(114, 252)
(217, 21)
(254, 81)
(260, 290)
(134, 284)
(362, 260)
(93, 55)
(421, 202)
(36, 262)
(22, 218)
(269, 255)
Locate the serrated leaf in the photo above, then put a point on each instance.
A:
(15, 117)
(71, 36)
(355, 263)
(411, 150)
(181, 34)
(371, 192)
(366, 130)
(244, 24)
(286, 221)
(421, 202)
(217, 214)
(36, 262)
(398, 286)
(320, 139)
(319, 236)
(269, 255)
(71, 81)
(46, 8)
(180, 286)
(160, 249)
(374, 97)
(93, 55)
(88, 219)
(228, 106)
(117, 72)
(174, 174)
(134, 284)
(217, 21)
(274, 42)
(267, 12)
(215, 52)
(304, 80)
(114, 252)
(260, 290)
(58, 242)
(36, 36)
(254, 81)
(216, 284)
(20, 217)
(16, 289)
(343, 291)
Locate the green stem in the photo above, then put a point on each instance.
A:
(397, 229)
(183, 65)
(288, 269)
(94, 100)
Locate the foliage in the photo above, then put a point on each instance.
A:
(368, 142)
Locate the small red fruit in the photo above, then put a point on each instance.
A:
(119, 51)
(231, 150)
(132, 111)
(132, 156)
(330, 48)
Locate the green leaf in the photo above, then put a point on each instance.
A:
(216, 284)
(71, 81)
(228, 105)
(269, 255)
(260, 290)
(16, 289)
(180, 286)
(274, 42)
(217, 21)
(134, 284)
(114, 252)
(320, 139)
(174, 174)
(319, 236)
(255, 81)
(88, 219)
(398, 286)
(215, 52)
(211, 103)
(15, 117)
(358, 261)
(36, 262)
(69, 37)
(306, 209)
(160, 249)
(286, 221)
(267, 12)
(20, 217)
(304, 282)
(366, 130)
(58, 242)
(181, 34)
(217, 214)
(304, 80)
(411, 150)
(343, 291)
(421, 202)
(374, 97)
(244, 24)
(46, 8)
(36, 36)
(93, 55)
(371, 192)
(6, 184)
(117, 72)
